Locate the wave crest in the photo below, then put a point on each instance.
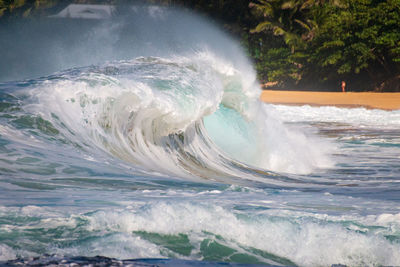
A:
(158, 114)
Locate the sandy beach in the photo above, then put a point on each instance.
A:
(371, 100)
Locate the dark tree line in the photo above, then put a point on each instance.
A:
(295, 44)
(332, 40)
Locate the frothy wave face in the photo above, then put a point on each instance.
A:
(185, 116)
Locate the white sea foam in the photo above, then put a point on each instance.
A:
(309, 243)
(7, 253)
(118, 245)
(305, 238)
(359, 117)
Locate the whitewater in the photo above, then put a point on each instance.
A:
(144, 138)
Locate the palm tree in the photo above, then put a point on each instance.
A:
(296, 20)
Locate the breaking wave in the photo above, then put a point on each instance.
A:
(196, 116)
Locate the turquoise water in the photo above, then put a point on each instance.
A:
(233, 133)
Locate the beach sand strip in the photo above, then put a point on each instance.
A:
(370, 100)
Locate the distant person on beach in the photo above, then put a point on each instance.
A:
(343, 86)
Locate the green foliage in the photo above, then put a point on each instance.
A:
(283, 18)
(277, 65)
(335, 39)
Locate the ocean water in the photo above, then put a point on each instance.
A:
(170, 154)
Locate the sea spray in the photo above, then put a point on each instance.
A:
(162, 72)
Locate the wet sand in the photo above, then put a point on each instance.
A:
(371, 100)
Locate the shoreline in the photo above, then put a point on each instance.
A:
(369, 100)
